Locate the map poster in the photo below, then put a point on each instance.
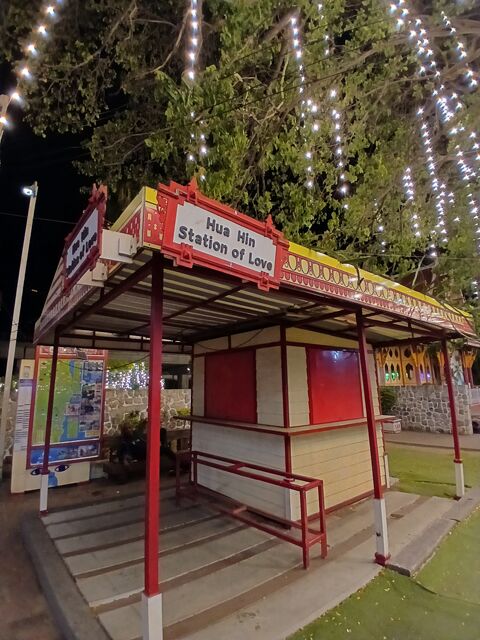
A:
(77, 418)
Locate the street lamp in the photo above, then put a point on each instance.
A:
(30, 191)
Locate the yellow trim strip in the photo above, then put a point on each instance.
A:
(323, 259)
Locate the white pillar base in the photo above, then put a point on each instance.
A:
(387, 470)
(382, 553)
(152, 617)
(459, 480)
(44, 493)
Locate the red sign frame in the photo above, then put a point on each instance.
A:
(187, 256)
(98, 201)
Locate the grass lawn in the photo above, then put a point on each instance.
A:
(455, 569)
(430, 472)
(442, 604)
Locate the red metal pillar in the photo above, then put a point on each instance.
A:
(459, 478)
(380, 518)
(152, 597)
(48, 426)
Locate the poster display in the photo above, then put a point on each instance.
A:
(77, 409)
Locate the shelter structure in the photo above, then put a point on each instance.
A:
(282, 340)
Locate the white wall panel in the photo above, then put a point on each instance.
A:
(269, 386)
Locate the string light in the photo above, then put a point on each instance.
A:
(197, 135)
(135, 377)
(307, 106)
(24, 72)
(448, 106)
(460, 52)
(409, 190)
(440, 230)
(339, 153)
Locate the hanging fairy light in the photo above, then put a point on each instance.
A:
(447, 106)
(24, 71)
(409, 191)
(327, 38)
(134, 377)
(459, 48)
(336, 120)
(338, 140)
(308, 108)
(197, 135)
(440, 230)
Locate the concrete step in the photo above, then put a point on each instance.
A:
(93, 510)
(121, 554)
(104, 519)
(206, 593)
(328, 582)
(413, 525)
(111, 537)
(359, 517)
(121, 583)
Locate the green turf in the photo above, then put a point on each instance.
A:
(455, 569)
(394, 607)
(430, 472)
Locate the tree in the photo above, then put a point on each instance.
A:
(115, 71)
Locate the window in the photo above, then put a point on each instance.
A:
(335, 389)
(230, 386)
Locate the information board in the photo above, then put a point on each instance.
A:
(77, 418)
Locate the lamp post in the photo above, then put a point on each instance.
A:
(30, 192)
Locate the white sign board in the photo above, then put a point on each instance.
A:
(219, 238)
(81, 246)
(22, 421)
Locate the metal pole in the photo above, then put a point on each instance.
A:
(152, 618)
(380, 515)
(48, 426)
(459, 478)
(15, 322)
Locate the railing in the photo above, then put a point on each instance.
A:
(245, 513)
(474, 395)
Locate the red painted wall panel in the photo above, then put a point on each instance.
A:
(335, 390)
(230, 386)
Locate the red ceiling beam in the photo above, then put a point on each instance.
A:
(112, 294)
(206, 302)
(325, 316)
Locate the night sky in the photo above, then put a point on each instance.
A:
(25, 158)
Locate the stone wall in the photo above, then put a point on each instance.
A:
(118, 404)
(426, 408)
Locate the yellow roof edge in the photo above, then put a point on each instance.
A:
(334, 262)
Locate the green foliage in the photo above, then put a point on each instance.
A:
(388, 397)
(114, 70)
